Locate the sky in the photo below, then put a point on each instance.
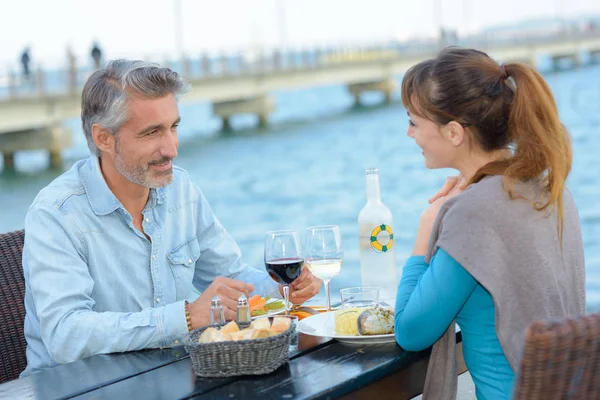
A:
(150, 28)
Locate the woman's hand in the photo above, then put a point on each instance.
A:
(451, 183)
(453, 187)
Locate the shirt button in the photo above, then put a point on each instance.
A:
(154, 257)
(147, 219)
(190, 261)
(176, 342)
(158, 299)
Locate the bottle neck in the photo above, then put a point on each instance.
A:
(373, 194)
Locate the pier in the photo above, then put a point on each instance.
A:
(31, 113)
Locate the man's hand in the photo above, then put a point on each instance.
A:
(228, 290)
(304, 287)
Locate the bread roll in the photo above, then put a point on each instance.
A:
(207, 336)
(219, 336)
(261, 323)
(230, 327)
(280, 324)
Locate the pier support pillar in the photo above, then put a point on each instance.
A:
(261, 106)
(388, 96)
(226, 124)
(52, 138)
(575, 58)
(55, 159)
(263, 120)
(9, 161)
(387, 86)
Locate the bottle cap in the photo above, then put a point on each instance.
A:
(242, 300)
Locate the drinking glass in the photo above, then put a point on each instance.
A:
(360, 296)
(324, 254)
(283, 260)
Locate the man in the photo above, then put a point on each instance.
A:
(116, 245)
(96, 54)
(25, 59)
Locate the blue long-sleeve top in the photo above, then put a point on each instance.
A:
(430, 296)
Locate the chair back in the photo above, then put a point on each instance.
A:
(561, 360)
(12, 307)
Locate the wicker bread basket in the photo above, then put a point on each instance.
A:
(243, 357)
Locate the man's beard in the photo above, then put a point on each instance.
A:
(141, 175)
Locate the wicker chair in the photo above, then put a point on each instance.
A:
(561, 360)
(12, 308)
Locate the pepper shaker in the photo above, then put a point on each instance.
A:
(243, 310)
(217, 315)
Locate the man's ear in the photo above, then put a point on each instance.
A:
(455, 133)
(104, 140)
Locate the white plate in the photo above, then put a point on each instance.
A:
(321, 325)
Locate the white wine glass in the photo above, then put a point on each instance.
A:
(324, 254)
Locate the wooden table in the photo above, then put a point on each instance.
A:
(318, 369)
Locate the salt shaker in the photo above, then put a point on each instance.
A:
(243, 310)
(217, 316)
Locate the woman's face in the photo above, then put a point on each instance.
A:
(438, 150)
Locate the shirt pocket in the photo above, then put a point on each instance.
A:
(182, 258)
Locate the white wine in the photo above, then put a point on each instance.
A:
(325, 269)
(376, 241)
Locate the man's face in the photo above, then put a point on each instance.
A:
(146, 144)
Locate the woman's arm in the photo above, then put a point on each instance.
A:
(429, 298)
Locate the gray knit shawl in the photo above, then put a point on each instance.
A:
(514, 252)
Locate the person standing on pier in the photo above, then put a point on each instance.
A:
(72, 69)
(96, 55)
(25, 60)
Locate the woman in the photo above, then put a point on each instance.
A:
(508, 249)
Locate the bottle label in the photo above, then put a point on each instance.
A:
(382, 238)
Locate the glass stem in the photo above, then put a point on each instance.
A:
(327, 294)
(286, 298)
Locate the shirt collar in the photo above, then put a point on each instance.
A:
(101, 198)
(157, 196)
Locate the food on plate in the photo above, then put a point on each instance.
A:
(346, 321)
(258, 329)
(263, 305)
(376, 321)
(364, 321)
(301, 314)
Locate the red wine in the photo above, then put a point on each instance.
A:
(285, 270)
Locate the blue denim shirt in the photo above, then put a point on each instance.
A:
(95, 284)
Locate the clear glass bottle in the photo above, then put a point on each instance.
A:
(376, 241)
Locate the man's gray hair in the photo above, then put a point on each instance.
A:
(104, 96)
